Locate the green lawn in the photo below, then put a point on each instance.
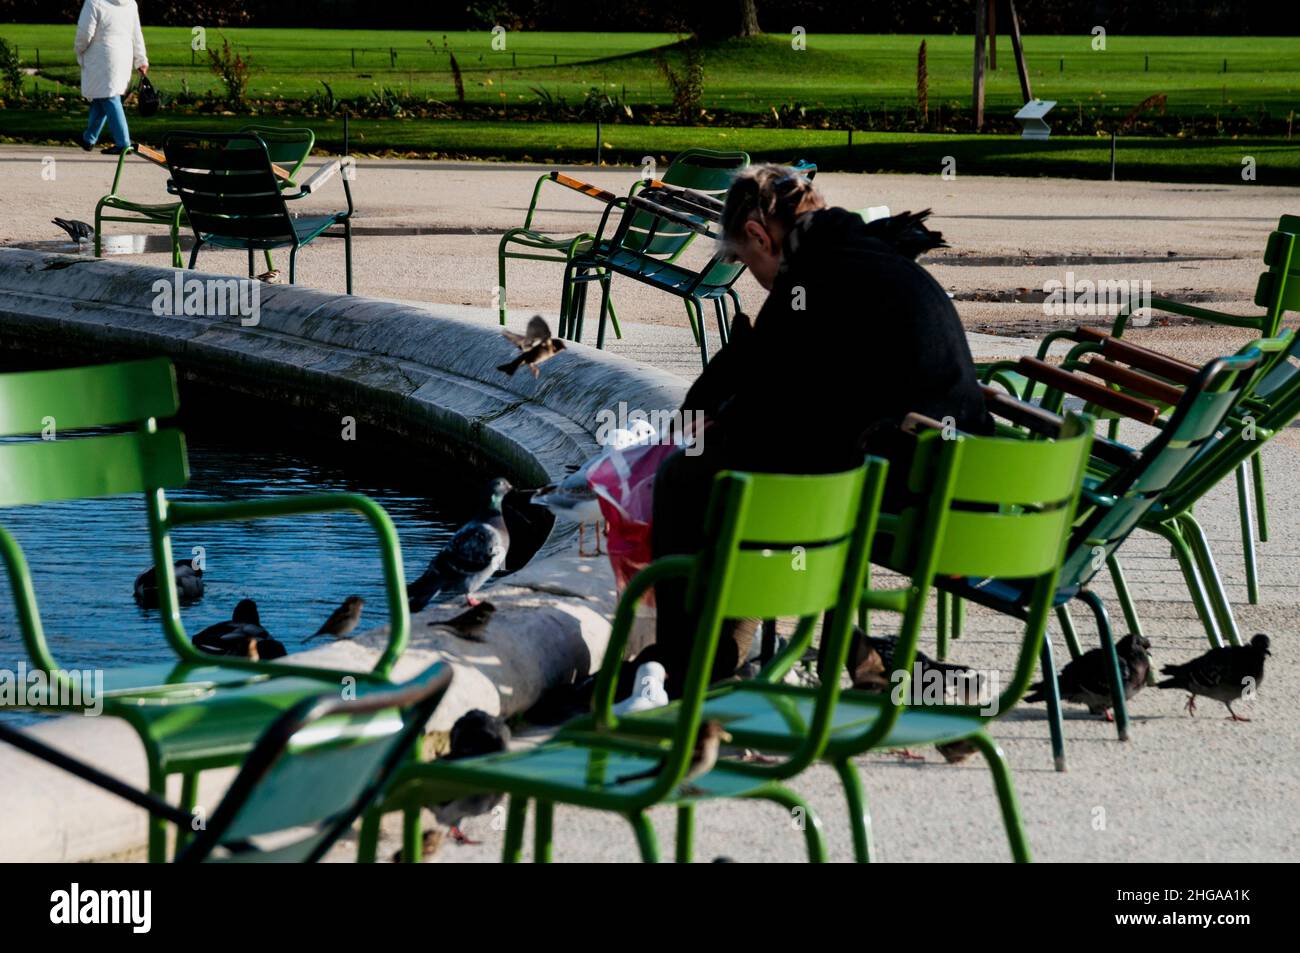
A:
(835, 71)
(1161, 159)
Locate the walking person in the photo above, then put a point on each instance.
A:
(109, 48)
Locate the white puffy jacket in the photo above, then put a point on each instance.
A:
(109, 47)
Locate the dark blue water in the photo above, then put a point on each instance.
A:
(85, 554)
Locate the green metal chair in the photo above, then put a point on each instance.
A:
(780, 546)
(306, 780)
(564, 249)
(233, 199)
(978, 506)
(288, 148)
(649, 240)
(196, 711)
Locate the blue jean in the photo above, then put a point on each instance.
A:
(107, 111)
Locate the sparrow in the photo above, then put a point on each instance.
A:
(470, 623)
(1223, 674)
(703, 759)
(242, 636)
(649, 692)
(1086, 680)
(536, 332)
(189, 585)
(342, 620)
(271, 277)
(470, 558)
(536, 346)
(78, 231)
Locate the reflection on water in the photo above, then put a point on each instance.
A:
(85, 554)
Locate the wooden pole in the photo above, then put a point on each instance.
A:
(993, 35)
(1019, 51)
(977, 94)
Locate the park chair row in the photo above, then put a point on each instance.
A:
(198, 711)
(798, 546)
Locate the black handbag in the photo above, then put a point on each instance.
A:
(146, 98)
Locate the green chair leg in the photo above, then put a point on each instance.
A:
(604, 312)
(157, 826)
(1247, 536)
(501, 286)
(997, 763)
(368, 839)
(512, 851)
(613, 319)
(189, 800)
(685, 833)
(958, 617)
(806, 819)
(645, 837)
(347, 253)
(1117, 696)
(1209, 574)
(1125, 597)
(690, 316)
(1067, 629)
(1187, 564)
(412, 837)
(543, 829)
(1053, 693)
(1261, 504)
(941, 623)
(859, 816)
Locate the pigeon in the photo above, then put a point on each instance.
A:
(78, 231)
(1086, 680)
(879, 677)
(475, 733)
(1224, 674)
(342, 620)
(703, 758)
(471, 557)
(536, 346)
(470, 623)
(242, 636)
(536, 332)
(574, 499)
(649, 692)
(189, 585)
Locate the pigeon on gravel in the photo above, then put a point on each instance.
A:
(1224, 674)
(1086, 680)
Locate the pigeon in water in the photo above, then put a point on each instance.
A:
(470, 558)
(707, 744)
(242, 636)
(471, 623)
(574, 499)
(78, 231)
(1086, 680)
(1224, 674)
(649, 692)
(536, 346)
(189, 585)
(342, 620)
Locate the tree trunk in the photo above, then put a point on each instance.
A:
(749, 18)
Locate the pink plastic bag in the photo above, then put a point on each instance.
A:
(624, 485)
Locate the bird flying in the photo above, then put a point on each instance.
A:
(536, 346)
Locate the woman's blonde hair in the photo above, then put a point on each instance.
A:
(770, 194)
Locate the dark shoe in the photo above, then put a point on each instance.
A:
(113, 151)
(81, 141)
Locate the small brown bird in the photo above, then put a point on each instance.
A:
(707, 743)
(342, 620)
(536, 346)
(271, 277)
(536, 332)
(470, 623)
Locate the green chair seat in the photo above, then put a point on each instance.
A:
(776, 717)
(166, 678)
(162, 212)
(305, 228)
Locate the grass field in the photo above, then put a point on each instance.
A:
(835, 71)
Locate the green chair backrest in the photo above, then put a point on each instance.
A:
(288, 147)
(1127, 496)
(702, 170)
(314, 771)
(69, 463)
(780, 546)
(985, 507)
(1278, 289)
(227, 186)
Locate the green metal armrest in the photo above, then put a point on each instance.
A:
(577, 185)
(1189, 311)
(185, 514)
